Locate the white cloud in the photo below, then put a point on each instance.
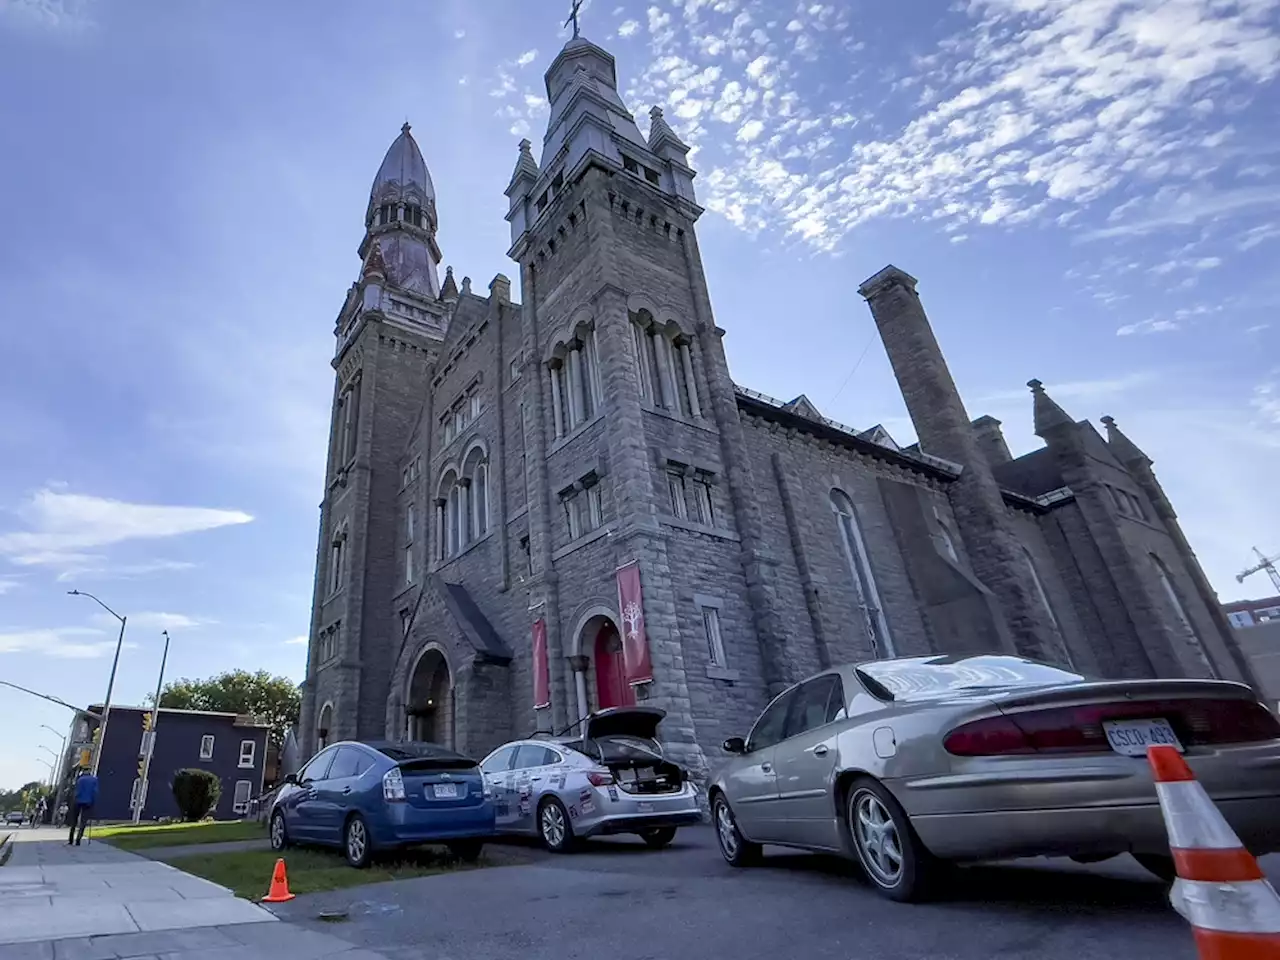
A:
(66, 524)
(99, 568)
(7, 585)
(49, 14)
(526, 58)
(1085, 391)
(297, 641)
(1154, 325)
(67, 643)
(628, 27)
(150, 620)
(459, 34)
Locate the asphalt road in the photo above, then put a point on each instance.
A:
(619, 900)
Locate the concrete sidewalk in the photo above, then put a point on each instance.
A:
(94, 902)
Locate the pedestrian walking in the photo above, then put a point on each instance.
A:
(41, 808)
(82, 806)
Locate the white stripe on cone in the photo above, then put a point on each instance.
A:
(1191, 818)
(1247, 907)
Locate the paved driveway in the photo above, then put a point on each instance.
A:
(622, 901)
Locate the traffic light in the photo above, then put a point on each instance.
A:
(146, 722)
(86, 757)
(142, 767)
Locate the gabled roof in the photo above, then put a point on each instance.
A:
(472, 622)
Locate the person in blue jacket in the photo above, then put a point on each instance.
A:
(82, 806)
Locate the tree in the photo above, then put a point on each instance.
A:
(197, 793)
(17, 799)
(271, 700)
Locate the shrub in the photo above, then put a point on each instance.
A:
(197, 793)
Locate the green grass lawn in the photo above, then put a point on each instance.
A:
(129, 837)
(248, 872)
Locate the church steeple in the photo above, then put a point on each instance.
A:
(401, 216)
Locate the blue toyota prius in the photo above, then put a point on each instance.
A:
(373, 796)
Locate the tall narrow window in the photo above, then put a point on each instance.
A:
(337, 558)
(715, 642)
(1180, 612)
(408, 564)
(679, 504)
(595, 508)
(480, 500)
(350, 420)
(864, 584)
(679, 376)
(702, 509)
(639, 337)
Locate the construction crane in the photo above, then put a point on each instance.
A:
(1264, 563)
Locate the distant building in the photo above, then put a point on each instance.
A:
(1248, 613)
(230, 745)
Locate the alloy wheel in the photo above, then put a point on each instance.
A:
(277, 832)
(357, 841)
(878, 839)
(726, 830)
(553, 825)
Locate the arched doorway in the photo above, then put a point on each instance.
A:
(325, 727)
(612, 689)
(429, 706)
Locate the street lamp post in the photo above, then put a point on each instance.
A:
(106, 706)
(52, 767)
(150, 746)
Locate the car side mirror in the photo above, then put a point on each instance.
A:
(735, 745)
(290, 778)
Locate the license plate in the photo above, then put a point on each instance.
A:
(646, 806)
(445, 791)
(1132, 737)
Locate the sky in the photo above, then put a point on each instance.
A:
(1087, 190)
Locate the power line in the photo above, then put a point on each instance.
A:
(862, 356)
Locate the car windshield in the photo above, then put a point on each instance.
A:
(924, 677)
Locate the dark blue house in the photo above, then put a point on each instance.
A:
(230, 745)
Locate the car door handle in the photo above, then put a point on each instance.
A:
(766, 767)
(345, 791)
(534, 779)
(820, 750)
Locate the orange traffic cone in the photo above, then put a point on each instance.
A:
(279, 892)
(1221, 891)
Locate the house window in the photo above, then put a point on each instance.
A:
(206, 747)
(408, 564)
(573, 513)
(410, 522)
(247, 750)
(528, 556)
(575, 382)
(337, 560)
(349, 407)
(480, 500)
(240, 800)
(715, 643)
(557, 184)
(866, 595)
(652, 176)
(595, 508)
(542, 202)
(703, 512)
(473, 402)
(630, 165)
(676, 490)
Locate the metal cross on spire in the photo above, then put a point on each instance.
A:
(573, 17)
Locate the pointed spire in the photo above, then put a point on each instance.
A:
(1126, 450)
(661, 134)
(1048, 415)
(526, 169)
(374, 266)
(449, 291)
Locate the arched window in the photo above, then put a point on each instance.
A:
(324, 727)
(864, 583)
(475, 473)
(665, 357)
(574, 374)
(447, 540)
(1180, 612)
(338, 559)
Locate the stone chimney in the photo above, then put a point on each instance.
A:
(991, 443)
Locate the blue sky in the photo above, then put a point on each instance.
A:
(1088, 192)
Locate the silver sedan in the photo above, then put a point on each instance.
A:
(613, 779)
(909, 763)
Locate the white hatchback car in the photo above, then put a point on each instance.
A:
(613, 779)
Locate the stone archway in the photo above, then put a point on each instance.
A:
(430, 703)
(602, 679)
(324, 727)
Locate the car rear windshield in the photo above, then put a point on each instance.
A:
(617, 749)
(422, 754)
(926, 677)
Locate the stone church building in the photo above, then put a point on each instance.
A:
(493, 464)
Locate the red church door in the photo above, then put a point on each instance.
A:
(612, 688)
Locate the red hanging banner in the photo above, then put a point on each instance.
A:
(635, 643)
(541, 671)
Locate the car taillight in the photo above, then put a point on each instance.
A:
(599, 779)
(393, 785)
(1079, 729)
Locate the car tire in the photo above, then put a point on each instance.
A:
(279, 832)
(655, 838)
(1159, 865)
(468, 851)
(356, 845)
(736, 849)
(892, 856)
(554, 829)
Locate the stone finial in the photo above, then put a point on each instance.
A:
(406, 128)
(526, 170)
(1126, 450)
(500, 288)
(886, 280)
(466, 285)
(374, 266)
(1046, 412)
(449, 289)
(661, 134)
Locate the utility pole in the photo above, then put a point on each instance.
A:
(111, 682)
(149, 737)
